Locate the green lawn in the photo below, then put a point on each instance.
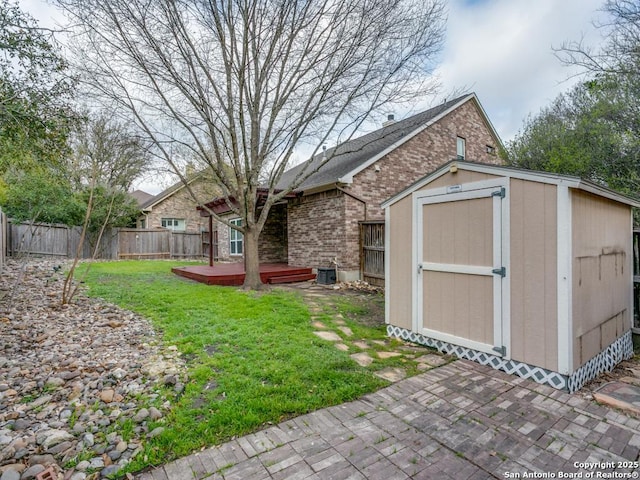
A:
(252, 356)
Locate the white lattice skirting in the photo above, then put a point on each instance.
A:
(619, 350)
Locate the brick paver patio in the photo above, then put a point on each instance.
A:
(461, 421)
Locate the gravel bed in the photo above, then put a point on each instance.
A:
(71, 375)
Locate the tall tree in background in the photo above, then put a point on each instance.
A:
(35, 93)
(107, 157)
(35, 120)
(593, 130)
(585, 132)
(235, 86)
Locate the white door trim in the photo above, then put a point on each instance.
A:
(498, 189)
(564, 279)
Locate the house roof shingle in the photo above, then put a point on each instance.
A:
(151, 202)
(141, 197)
(349, 156)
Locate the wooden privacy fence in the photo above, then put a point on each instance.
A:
(123, 243)
(3, 237)
(372, 252)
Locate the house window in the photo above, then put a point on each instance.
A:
(177, 224)
(235, 238)
(491, 150)
(461, 148)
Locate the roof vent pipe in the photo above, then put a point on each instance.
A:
(390, 120)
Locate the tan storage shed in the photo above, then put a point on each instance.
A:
(527, 272)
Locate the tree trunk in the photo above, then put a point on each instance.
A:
(251, 260)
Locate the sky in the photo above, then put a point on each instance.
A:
(500, 49)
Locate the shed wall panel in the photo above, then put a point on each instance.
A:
(601, 272)
(399, 276)
(533, 271)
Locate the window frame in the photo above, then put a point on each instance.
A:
(174, 224)
(461, 142)
(236, 239)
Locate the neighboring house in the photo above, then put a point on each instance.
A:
(321, 226)
(175, 209)
(140, 197)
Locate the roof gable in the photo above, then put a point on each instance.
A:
(353, 156)
(176, 187)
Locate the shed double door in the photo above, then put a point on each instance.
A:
(460, 271)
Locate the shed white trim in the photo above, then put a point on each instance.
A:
(564, 281)
(454, 268)
(496, 188)
(387, 265)
(463, 342)
(510, 172)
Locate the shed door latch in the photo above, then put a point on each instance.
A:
(419, 268)
(500, 271)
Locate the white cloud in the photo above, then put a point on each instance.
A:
(47, 15)
(503, 50)
(500, 49)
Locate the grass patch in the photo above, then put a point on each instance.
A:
(253, 358)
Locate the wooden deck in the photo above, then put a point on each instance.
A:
(233, 273)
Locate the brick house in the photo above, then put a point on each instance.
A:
(174, 209)
(321, 226)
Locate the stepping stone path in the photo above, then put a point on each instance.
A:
(346, 330)
(336, 330)
(432, 359)
(391, 374)
(363, 359)
(330, 336)
(385, 355)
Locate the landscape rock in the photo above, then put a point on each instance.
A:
(141, 416)
(31, 472)
(71, 374)
(10, 475)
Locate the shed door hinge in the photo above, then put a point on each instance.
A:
(419, 268)
(502, 271)
(502, 351)
(500, 193)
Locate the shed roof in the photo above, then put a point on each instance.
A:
(520, 173)
(353, 156)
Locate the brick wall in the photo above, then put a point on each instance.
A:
(325, 226)
(273, 238)
(182, 206)
(423, 154)
(316, 229)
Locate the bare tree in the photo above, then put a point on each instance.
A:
(238, 85)
(105, 148)
(620, 53)
(107, 158)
